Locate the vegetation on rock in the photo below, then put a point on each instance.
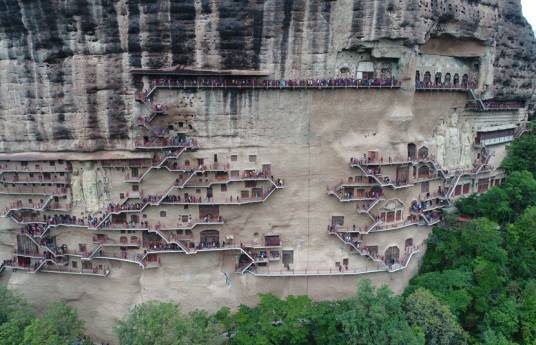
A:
(59, 324)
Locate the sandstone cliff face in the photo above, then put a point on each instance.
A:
(64, 64)
(516, 51)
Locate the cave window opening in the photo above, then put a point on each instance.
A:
(447, 78)
(456, 79)
(465, 79)
(392, 255)
(412, 150)
(438, 78)
(423, 152)
(418, 76)
(427, 77)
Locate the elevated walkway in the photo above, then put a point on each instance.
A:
(267, 84)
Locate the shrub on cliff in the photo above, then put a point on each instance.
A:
(429, 314)
(19, 325)
(164, 324)
(59, 325)
(521, 155)
(15, 315)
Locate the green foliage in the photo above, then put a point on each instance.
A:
(494, 205)
(163, 324)
(521, 190)
(376, 317)
(503, 318)
(274, 321)
(521, 242)
(444, 249)
(325, 326)
(59, 325)
(15, 316)
(451, 287)
(502, 204)
(12, 331)
(491, 337)
(425, 311)
(521, 155)
(469, 206)
(11, 304)
(482, 238)
(527, 313)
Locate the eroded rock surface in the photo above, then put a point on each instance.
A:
(64, 65)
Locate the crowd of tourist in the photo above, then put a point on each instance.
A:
(179, 141)
(156, 131)
(440, 85)
(186, 198)
(425, 205)
(147, 199)
(161, 246)
(143, 96)
(349, 194)
(190, 222)
(280, 83)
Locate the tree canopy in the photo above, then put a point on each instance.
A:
(59, 324)
(163, 323)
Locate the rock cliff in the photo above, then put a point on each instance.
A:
(64, 65)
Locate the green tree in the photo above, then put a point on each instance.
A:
(469, 206)
(12, 331)
(521, 190)
(521, 155)
(451, 287)
(439, 325)
(10, 303)
(482, 238)
(15, 315)
(274, 321)
(503, 317)
(495, 205)
(164, 324)
(444, 250)
(325, 327)
(521, 245)
(489, 281)
(492, 337)
(375, 317)
(59, 325)
(527, 313)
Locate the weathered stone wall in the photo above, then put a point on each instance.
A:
(308, 136)
(64, 65)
